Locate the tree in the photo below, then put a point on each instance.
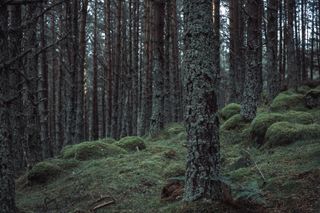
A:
(274, 78)
(7, 194)
(157, 120)
(252, 86)
(291, 54)
(203, 160)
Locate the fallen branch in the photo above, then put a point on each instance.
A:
(103, 205)
(256, 165)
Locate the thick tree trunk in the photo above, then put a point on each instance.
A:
(30, 99)
(7, 193)
(203, 161)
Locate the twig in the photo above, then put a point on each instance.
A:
(256, 165)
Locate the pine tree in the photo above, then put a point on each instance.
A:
(203, 160)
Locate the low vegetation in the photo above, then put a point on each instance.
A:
(146, 174)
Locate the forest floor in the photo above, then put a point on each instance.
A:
(263, 176)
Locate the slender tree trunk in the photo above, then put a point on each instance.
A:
(291, 55)
(203, 160)
(274, 77)
(157, 121)
(95, 116)
(252, 79)
(43, 93)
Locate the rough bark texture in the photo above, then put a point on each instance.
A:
(7, 194)
(274, 78)
(291, 54)
(253, 63)
(157, 119)
(203, 160)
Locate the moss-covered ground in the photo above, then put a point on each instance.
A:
(282, 178)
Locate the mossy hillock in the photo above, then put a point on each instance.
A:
(131, 143)
(229, 110)
(91, 150)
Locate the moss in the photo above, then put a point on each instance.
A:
(303, 89)
(91, 150)
(43, 172)
(65, 163)
(131, 143)
(312, 98)
(284, 133)
(286, 101)
(263, 121)
(236, 122)
(229, 111)
(174, 170)
(108, 140)
(169, 131)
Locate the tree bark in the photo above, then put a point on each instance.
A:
(252, 77)
(274, 78)
(203, 160)
(7, 185)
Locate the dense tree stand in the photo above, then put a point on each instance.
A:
(203, 161)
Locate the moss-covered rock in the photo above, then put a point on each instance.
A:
(229, 111)
(91, 150)
(263, 121)
(174, 170)
(43, 172)
(286, 101)
(131, 143)
(236, 122)
(284, 133)
(312, 98)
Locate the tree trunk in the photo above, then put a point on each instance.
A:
(291, 55)
(203, 160)
(7, 193)
(252, 77)
(274, 78)
(157, 121)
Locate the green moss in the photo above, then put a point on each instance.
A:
(131, 143)
(169, 131)
(108, 140)
(229, 111)
(284, 133)
(174, 170)
(91, 150)
(303, 89)
(263, 121)
(287, 100)
(236, 122)
(43, 172)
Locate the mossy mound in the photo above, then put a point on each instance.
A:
(284, 133)
(169, 131)
(312, 98)
(236, 122)
(131, 143)
(43, 172)
(287, 101)
(303, 89)
(174, 170)
(229, 111)
(263, 121)
(91, 150)
(108, 140)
